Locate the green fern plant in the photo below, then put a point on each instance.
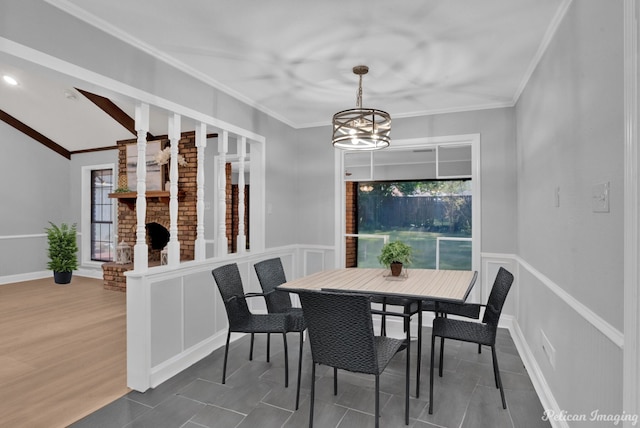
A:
(395, 251)
(63, 247)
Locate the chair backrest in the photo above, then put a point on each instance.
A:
(498, 295)
(229, 283)
(340, 330)
(271, 274)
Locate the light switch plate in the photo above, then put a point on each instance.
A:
(600, 198)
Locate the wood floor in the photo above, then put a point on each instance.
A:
(62, 351)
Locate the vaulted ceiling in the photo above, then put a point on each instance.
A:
(293, 59)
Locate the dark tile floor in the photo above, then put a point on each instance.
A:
(254, 395)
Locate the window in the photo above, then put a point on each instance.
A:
(102, 248)
(432, 216)
(424, 190)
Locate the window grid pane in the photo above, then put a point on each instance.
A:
(417, 213)
(102, 247)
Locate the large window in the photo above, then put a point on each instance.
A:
(102, 248)
(432, 216)
(425, 192)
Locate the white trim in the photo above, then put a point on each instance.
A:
(85, 211)
(631, 354)
(39, 58)
(551, 31)
(411, 143)
(540, 384)
(31, 236)
(613, 334)
(118, 33)
(305, 256)
(21, 277)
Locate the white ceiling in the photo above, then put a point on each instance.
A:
(293, 59)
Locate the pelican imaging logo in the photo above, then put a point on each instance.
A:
(614, 419)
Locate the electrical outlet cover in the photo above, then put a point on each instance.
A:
(600, 198)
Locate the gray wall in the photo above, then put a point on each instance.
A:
(497, 131)
(34, 189)
(570, 135)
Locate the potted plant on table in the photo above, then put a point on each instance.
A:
(394, 255)
(63, 249)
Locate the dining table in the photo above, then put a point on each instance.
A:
(438, 285)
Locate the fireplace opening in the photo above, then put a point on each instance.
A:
(158, 236)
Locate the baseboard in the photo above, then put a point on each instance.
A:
(540, 384)
(8, 279)
(548, 401)
(187, 358)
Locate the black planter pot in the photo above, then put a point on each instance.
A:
(62, 277)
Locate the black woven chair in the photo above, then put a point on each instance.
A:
(469, 331)
(241, 320)
(271, 274)
(410, 307)
(341, 336)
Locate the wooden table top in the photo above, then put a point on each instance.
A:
(444, 285)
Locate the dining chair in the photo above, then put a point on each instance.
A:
(482, 333)
(410, 307)
(341, 336)
(240, 318)
(270, 274)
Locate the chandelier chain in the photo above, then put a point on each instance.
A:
(359, 94)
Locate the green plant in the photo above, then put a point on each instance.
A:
(63, 248)
(395, 251)
(122, 190)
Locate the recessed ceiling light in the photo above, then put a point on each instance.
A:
(9, 80)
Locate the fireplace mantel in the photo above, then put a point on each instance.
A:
(129, 198)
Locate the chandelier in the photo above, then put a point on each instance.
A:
(361, 128)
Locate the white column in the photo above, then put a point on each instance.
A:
(631, 349)
(173, 247)
(221, 239)
(201, 143)
(242, 153)
(140, 250)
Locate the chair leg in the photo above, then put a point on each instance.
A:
(299, 369)
(406, 381)
(226, 354)
(441, 356)
(313, 393)
(335, 381)
(419, 359)
(286, 361)
(383, 320)
(377, 401)
(496, 371)
(433, 344)
(268, 347)
(251, 348)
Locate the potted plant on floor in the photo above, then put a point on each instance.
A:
(63, 249)
(394, 255)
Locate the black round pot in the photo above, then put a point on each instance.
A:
(62, 277)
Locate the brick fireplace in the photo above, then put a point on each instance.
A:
(157, 215)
